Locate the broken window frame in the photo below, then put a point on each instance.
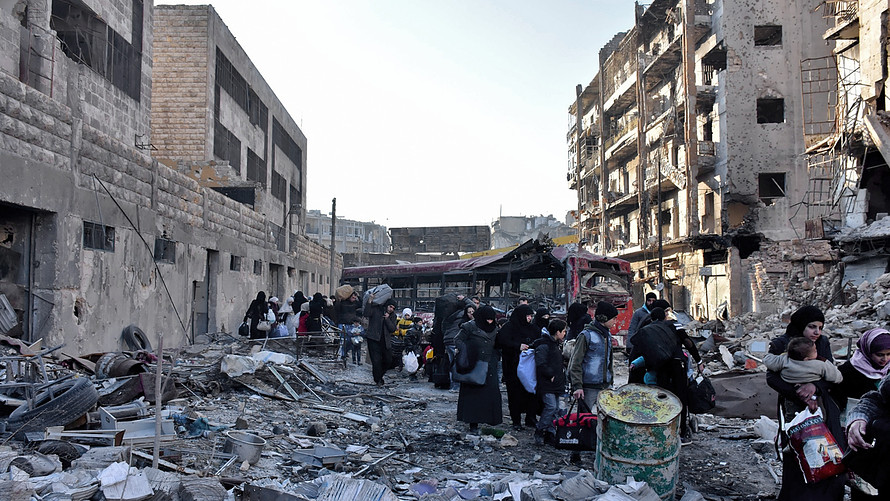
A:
(768, 35)
(768, 109)
(768, 186)
(234, 263)
(98, 237)
(257, 267)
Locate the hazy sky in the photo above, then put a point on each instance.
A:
(429, 113)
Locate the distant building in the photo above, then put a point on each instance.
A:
(440, 239)
(353, 237)
(514, 230)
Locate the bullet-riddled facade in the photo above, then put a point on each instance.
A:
(685, 148)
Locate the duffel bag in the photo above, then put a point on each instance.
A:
(576, 431)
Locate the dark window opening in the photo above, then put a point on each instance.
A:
(257, 111)
(256, 168)
(165, 250)
(257, 267)
(746, 244)
(770, 110)
(98, 237)
(87, 39)
(279, 186)
(295, 200)
(231, 81)
(713, 257)
(665, 218)
(244, 195)
(235, 263)
(226, 146)
(291, 272)
(291, 150)
(767, 35)
(771, 185)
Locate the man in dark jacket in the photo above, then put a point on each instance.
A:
(381, 325)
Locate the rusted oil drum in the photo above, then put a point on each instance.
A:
(638, 436)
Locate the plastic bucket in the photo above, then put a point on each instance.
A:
(638, 435)
(247, 446)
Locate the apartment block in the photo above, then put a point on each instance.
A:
(101, 228)
(353, 237)
(686, 148)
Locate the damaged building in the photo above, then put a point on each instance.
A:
(686, 151)
(151, 176)
(849, 192)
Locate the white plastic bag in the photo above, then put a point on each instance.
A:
(270, 316)
(526, 370)
(409, 360)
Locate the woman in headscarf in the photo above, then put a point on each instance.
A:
(577, 318)
(516, 336)
(807, 322)
(542, 318)
(316, 309)
(256, 312)
(481, 404)
(863, 373)
(299, 299)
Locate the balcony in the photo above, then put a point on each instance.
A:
(622, 130)
(672, 177)
(707, 157)
(846, 19)
(623, 201)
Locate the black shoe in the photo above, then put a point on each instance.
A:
(531, 422)
(539, 438)
(576, 458)
(549, 438)
(474, 427)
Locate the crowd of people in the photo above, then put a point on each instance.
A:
(575, 355)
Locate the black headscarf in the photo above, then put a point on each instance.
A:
(801, 318)
(540, 321)
(482, 316)
(660, 303)
(520, 314)
(299, 299)
(575, 313)
(261, 296)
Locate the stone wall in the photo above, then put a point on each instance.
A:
(64, 171)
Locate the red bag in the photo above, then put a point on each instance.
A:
(816, 450)
(576, 430)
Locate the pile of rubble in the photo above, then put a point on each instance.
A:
(235, 419)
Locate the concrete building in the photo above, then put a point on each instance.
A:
(686, 147)
(353, 237)
(96, 233)
(507, 231)
(849, 191)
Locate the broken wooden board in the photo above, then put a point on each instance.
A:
(261, 388)
(166, 464)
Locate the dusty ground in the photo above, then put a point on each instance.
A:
(417, 423)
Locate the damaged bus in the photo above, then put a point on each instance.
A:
(549, 276)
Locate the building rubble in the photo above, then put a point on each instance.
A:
(320, 430)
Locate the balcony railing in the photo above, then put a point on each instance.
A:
(621, 131)
(707, 148)
(842, 10)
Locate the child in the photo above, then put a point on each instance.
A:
(551, 377)
(800, 364)
(353, 341)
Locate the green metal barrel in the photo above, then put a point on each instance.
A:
(638, 436)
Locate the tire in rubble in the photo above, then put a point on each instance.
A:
(135, 339)
(68, 401)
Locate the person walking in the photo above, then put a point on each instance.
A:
(256, 312)
(513, 338)
(346, 312)
(863, 373)
(638, 317)
(590, 368)
(381, 325)
(577, 317)
(551, 378)
(316, 310)
(808, 322)
(481, 404)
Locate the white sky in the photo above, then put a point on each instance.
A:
(429, 113)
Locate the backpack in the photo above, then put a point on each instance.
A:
(526, 370)
(464, 358)
(445, 306)
(658, 344)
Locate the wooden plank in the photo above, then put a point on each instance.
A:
(165, 464)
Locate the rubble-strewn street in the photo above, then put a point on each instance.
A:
(245, 419)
